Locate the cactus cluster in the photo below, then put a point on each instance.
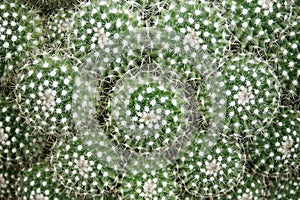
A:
(150, 100)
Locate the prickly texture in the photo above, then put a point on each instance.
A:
(142, 117)
(20, 35)
(96, 22)
(250, 187)
(270, 30)
(201, 23)
(17, 144)
(39, 181)
(211, 166)
(252, 92)
(157, 184)
(8, 178)
(51, 6)
(259, 25)
(285, 187)
(275, 151)
(80, 170)
(44, 94)
(59, 26)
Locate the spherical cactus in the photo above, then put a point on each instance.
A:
(253, 95)
(20, 34)
(149, 100)
(201, 23)
(156, 184)
(275, 151)
(270, 30)
(40, 182)
(44, 92)
(95, 23)
(81, 170)
(18, 146)
(211, 167)
(145, 109)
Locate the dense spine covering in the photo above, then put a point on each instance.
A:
(18, 146)
(149, 100)
(80, 170)
(21, 32)
(44, 94)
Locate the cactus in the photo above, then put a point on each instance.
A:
(251, 187)
(21, 32)
(8, 179)
(269, 29)
(51, 6)
(211, 167)
(49, 109)
(112, 99)
(285, 187)
(253, 95)
(275, 151)
(158, 184)
(201, 23)
(96, 23)
(39, 182)
(81, 170)
(18, 146)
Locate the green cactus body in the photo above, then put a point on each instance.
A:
(211, 167)
(81, 170)
(40, 182)
(21, 32)
(275, 151)
(201, 23)
(149, 99)
(158, 184)
(250, 187)
(285, 187)
(8, 177)
(44, 94)
(96, 23)
(253, 95)
(18, 146)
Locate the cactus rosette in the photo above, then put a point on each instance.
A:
(211, 167)
(253, 95)
(95, 23)
(59, 26)
(111, 99)
(269, 29)
(201, 23)
(44, 92)
(275, 151)
(80, 170)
